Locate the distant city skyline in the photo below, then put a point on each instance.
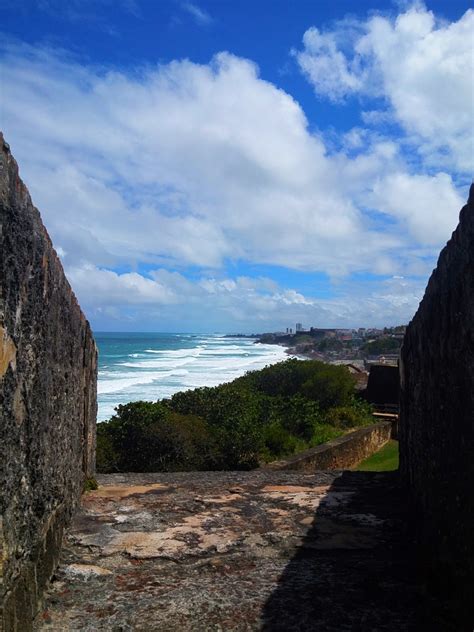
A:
(237, 167)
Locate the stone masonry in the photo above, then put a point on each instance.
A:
(48, 371)
(437, 420)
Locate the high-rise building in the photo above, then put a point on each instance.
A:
(299, 327)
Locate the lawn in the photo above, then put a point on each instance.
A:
(385, 460)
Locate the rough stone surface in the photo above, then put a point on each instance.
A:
(344, 452)
(48, 367)
(437, 418)
(240, 551)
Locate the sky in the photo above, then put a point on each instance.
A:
(222, 166)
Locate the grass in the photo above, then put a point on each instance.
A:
(385, 460)
(90, 484)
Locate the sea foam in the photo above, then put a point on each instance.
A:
(155, 366)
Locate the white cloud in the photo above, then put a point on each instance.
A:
(423, 68)
(188, 164)
(163, 298)
(400, 194)
(200, 16)
(97, 287)
(185, 164)
(326, 67)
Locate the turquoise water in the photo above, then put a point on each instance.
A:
(136, 366)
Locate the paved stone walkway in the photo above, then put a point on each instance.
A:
(238, 551)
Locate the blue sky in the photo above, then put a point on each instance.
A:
(242, 166)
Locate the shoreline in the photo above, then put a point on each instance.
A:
(293, 351)
(149, 371)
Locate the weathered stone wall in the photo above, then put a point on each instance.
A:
(48, 370)
(341, 453)
(437, 416)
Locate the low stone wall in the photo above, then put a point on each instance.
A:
(341, 453)
(48, 373)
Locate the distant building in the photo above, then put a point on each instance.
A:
(388, 359)
(344, 334)
(299, 327)
(319, 334)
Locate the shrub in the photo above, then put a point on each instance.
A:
(323, 433)
(284, 378)
(265, 414)
(357, 413)
(146, 436)
(330, 386)
(278, 442)
(382, 345)
(296, 414)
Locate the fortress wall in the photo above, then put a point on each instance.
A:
(48, 372)
(437, 416)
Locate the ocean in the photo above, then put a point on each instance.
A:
(144, 366)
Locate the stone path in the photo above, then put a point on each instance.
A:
(238, 551)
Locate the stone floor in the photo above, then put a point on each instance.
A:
(239, 551)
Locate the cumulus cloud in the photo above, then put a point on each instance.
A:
(186, 165)
(190, 164)
(98, 286)
(162, 298)
(421, 66)
(398, 194)
(327, 68)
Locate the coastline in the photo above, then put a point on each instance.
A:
(301, 352)
(154, 366)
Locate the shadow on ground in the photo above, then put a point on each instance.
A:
(241, 551)
(356, 567)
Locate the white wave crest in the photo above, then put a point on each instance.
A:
(157, 373)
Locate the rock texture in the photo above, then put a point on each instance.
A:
(239, 551)
(48, 370)
(437, 418)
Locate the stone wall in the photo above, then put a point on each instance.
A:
(48, 370)
(437, 418)
(383, 386)
(341, 453)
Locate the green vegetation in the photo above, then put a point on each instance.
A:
(262, 416)
(385, 460)
(330, 344)
(90, 484)
(382, 345)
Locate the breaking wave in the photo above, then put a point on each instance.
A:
(154, 366)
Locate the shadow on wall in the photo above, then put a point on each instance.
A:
(355, 569)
